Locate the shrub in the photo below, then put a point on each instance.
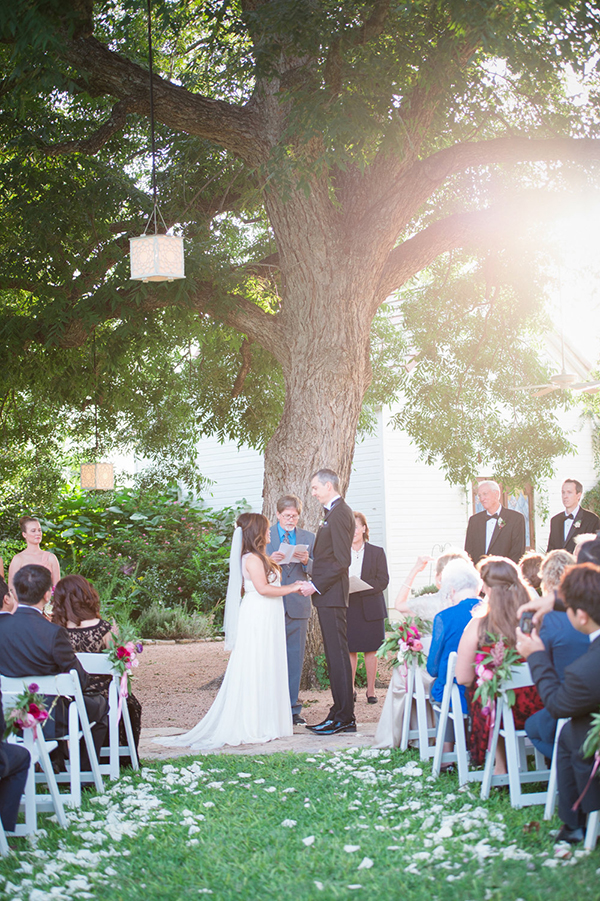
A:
(322, 673)
(173, 623)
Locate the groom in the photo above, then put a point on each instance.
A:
(331, 561)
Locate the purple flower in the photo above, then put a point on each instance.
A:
(34, 687)
(139, 647)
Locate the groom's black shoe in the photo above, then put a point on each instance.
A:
(324, 725)
(333, 727)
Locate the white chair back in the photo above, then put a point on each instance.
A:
(100, 665)
(415, 690)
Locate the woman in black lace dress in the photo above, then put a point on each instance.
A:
(76, 606)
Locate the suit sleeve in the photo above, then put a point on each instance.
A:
(553, 544)
(517, 548)
(342, 531)
(572, 697)
(378, 575)
(65, 659)
(310, 540)
(469, 548)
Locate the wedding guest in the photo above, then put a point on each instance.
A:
(367, 610)
(529, 567)
(567, 525)
(14, 768)
(552, 569)
(31, 645)
(427, 605)
(8, 603)
(461, 584)
(389, 727)
(495, 619)
(76, 606)
(31, 531)
(576, 696)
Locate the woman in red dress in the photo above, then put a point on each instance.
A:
(495, 618)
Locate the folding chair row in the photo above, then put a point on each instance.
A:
(415, 691)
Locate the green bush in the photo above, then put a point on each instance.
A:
(322, 673)
(173, 623)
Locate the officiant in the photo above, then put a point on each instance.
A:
(297, 607)
(367, 611)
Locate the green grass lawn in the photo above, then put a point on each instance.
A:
(358, 824)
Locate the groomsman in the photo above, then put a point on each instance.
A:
(496, 530)
(564, 527)
(331, 560)
(297, 607)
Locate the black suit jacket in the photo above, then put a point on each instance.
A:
(30, 645)
(508, 540)
(577, 696)
(588, 522)
(332, 556)
(375, 572)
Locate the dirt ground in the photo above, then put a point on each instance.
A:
(177, 683)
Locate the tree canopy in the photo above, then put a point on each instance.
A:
(317, 157)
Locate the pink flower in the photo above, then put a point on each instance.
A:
(417, 646)
(487, 675)
(486, 710)
(479, 657)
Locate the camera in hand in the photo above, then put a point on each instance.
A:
(526, 622)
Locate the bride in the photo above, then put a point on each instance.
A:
(253, 703)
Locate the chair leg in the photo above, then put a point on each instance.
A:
(422, 724)
(490, 757)
(410, 685)
(113, 731)
(74, 757)
(46, 766)
(4, 849)
(513, 757)
(135, 765)
(591, 833)
(460, 737)
(552, 781)
(441, 734)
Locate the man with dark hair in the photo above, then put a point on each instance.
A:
(30, 645)
(297, 607)
(564, 527)
(577, 696)
(331, 561)
(8, 602)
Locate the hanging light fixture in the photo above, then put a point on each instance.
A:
(98, 476)
(154, 257)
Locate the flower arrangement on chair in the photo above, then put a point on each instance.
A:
(123, 653)
(405, 642)
(30, 711)
(492, 668)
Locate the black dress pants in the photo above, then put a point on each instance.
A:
(573, 772)
(333, 628)
(14, 767)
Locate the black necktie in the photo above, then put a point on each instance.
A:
(493, 516)
(568, 516)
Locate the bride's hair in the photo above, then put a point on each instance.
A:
(254, 539)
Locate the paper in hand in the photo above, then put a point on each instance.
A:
(357, 584)
(288, 550)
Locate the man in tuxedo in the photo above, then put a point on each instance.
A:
(564, 527)
(331, 560)
(496, 530)
(14, 767)
(30, 645)
(297, 607)
(577, 696)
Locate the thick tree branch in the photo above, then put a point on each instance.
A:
(97, 140)
(108, 73)
(354, 37)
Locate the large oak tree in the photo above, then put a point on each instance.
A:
(317, 156)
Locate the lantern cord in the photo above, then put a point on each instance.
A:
(152, 137)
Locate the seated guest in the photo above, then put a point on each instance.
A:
(564, 643)
(529, 567)
(576, 696)
(497, 618)
(30, 645)
(76, 606)
(389, 727)
(427, 605)
(8, 603)
(461, 584)
(14, 767)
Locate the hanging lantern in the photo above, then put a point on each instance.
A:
(100, 476)
(156, 258)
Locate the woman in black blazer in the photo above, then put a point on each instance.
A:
(367, 611)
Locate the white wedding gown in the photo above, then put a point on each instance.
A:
(253, 703)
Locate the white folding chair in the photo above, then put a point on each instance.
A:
(39, 752)
(100, 665)
(451, 708)
(415, 690)
(516, 750)
(593, 820)
(66, 685)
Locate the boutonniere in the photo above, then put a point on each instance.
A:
(577, 524)
(501, 523)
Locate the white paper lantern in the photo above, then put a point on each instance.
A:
(100, 476)
(156, 258)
